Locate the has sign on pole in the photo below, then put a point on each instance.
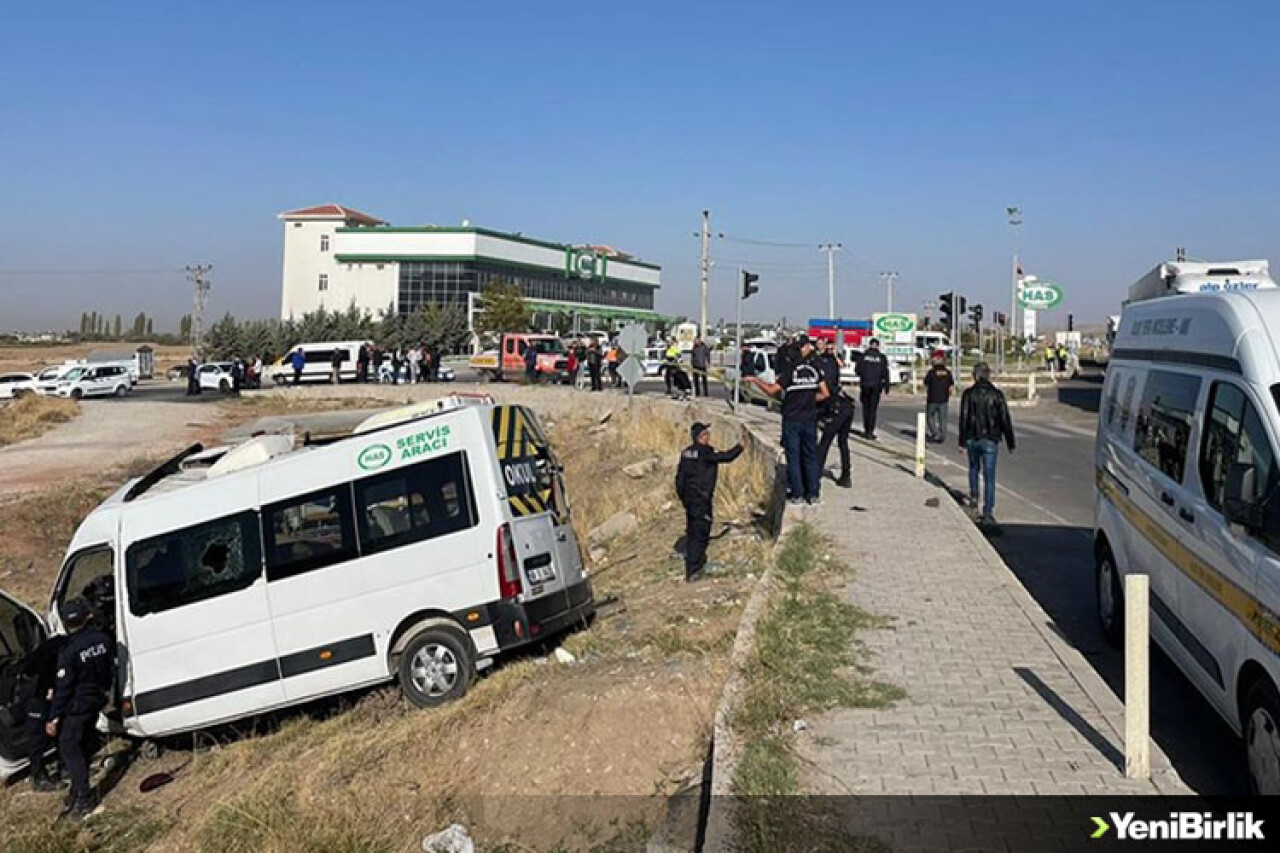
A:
(1039, 295)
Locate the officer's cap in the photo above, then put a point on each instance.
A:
(698, 429)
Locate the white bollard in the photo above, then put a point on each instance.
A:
(1137, 679)
(920, 444)
(1031, 386)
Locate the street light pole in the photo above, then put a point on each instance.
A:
(1015, 224)
(889, 278)
(831, 249)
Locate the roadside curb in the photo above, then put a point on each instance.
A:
(1164, 778)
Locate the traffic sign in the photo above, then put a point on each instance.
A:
(633, 339)
(631, 370)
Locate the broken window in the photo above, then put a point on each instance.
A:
(193, 564)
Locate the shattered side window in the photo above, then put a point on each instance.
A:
(193, 564)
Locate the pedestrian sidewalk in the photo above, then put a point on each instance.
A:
(997, 702)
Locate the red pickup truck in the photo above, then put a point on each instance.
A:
(507, 361)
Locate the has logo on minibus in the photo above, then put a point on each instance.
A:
(374, 457)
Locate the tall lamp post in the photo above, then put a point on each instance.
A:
(1015, 225)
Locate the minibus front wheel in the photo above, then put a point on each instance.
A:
(436, 667)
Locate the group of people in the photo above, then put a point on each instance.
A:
(64, 685)
(590, 361)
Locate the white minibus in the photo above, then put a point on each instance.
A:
(1187, 479)
(319, 362)
(248, 579)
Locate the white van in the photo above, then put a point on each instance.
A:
(248, 579)
(1187, 480)
(319, 362)
(94, 380)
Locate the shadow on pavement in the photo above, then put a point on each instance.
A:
(1086, 399)
(1055, 565)
(1072, 716)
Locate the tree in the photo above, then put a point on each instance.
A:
(84, 323)
(150, 331)
(117, 328)
(184, 328)
(224, 339)
(504, 309)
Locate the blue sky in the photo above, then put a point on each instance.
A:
(153, 135)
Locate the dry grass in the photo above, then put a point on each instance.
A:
(608, 738)
(31, 416)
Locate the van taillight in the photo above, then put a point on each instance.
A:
(508, 570)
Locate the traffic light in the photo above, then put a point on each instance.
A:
(961, 306)
(998, 318)
(946, 310)
(976, 315)
(1071, 322)
(749, 285)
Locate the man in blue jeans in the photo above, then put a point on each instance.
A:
(984, 422)
(801, 387)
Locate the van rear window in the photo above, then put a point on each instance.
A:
(414, 503)
(194, 564)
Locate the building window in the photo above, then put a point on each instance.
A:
(324, 282)
(324, 242)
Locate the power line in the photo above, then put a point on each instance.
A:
(174, 271)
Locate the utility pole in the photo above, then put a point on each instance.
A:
(705, 268)
(1015, 224)
(831, 249)
(889, 278)
(199, 275)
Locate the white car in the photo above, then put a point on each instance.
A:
(653, 360)
(47, 379)
(88, 381)
(216, 376)
(14, 385)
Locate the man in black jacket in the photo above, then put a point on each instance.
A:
(696, 487)
(84, 681)
(984, 422)
(873, 380)
(35, 687)
(700, 361)
(835, 413)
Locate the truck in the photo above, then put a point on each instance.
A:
(506, 361)
(1172, 277)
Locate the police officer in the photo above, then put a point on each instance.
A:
(873, 380)
(35, 689)
(696, 488)
(836, 413)
(83, 682)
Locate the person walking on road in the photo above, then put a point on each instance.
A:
(297, 361)
(801, 388)
(835, 414)
(700, 361)
(873, 380)
(696, 487)
(86, 672)
(938, 383)
(984, 423)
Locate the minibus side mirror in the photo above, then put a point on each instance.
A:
(1239, 503)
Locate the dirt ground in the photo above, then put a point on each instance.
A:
(28, 359)
(540, 755)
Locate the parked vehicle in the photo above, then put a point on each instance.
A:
(15, 385)
(319, 362)
(685, 334)
(95, 381)
(507, 360)
(927, 343)
(1183, 277)
(1187, 477)
(653, 360)
(257, 577)
(216, 376)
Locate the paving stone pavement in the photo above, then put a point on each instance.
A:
(997, 702)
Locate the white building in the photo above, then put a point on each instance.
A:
(335, 256)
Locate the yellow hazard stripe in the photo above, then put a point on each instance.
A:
(1261, 621)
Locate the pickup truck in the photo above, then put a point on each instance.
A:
(507, 360)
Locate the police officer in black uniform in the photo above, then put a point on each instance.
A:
(873, 380)
(696, 487)
(85, 675)
(836, 413)
(35, 687)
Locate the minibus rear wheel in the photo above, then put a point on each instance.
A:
(1110, 597)
(436, 667)
(1262, 737)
